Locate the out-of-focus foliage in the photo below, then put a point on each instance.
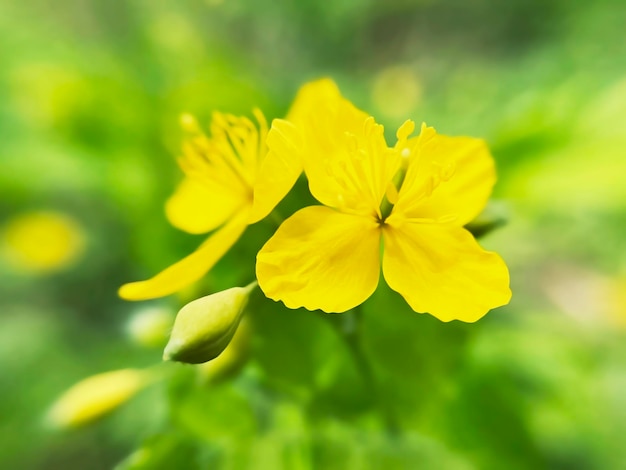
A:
(91, 92)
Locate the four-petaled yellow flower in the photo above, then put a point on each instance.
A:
(405, 206)
(231, 180)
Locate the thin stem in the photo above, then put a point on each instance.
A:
(276, 218)
(349, 329)
(250, 287)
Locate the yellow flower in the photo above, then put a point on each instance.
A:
(41, 242)
(231, 180)
(412, 200)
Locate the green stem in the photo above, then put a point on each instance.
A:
(349, 329)
(250, 287)
(276, 218)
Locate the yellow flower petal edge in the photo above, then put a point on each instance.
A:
(442, 270)
(279, 170)
(190, 268)
(309, 98)
(321, 259)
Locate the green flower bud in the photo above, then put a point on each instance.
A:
(232, 359)
(203, 328)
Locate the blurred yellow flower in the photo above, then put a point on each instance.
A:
(232, 178)
(95, 396)
(397, 91)
(40, 242)
(413, 199)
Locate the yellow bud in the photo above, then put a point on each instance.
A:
(203, 328)
(96, 396)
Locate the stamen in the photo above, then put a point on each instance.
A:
(263, 131)
(228, 148)
(328, 168)
(231, 154)
(405, 130)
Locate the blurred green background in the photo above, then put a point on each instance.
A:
(91, 92)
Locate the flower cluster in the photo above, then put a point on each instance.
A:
(400, 209)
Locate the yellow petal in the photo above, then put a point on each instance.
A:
(443, 271)
(446, 176)
(199, 206)
(191, 268)
(287, 149)
(309, 97)
(321, 259)
(279, 170)
(347, 161)
(343, 150)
